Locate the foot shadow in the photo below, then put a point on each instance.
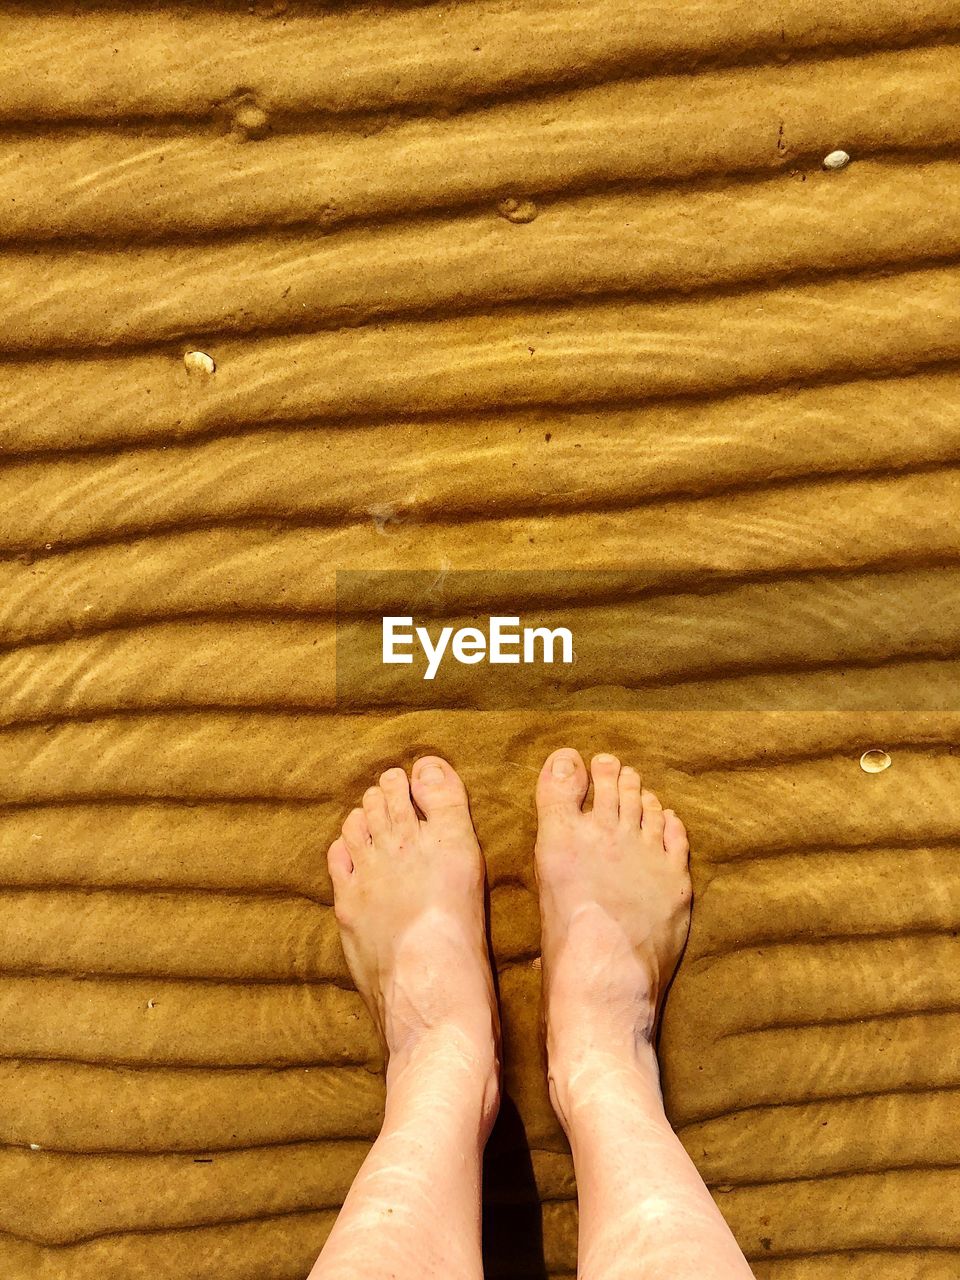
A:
(512, 1216)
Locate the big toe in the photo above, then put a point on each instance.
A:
(562, 784)
(437, 788)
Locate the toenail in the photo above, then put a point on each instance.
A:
(563, 767)
(430, 773)
(605, 759)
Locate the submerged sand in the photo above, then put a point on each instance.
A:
(484, 286)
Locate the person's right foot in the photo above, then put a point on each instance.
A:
(615, 909)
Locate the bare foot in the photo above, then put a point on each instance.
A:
(615, 908)
(409, 900)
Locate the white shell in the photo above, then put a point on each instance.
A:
(199, 362)
(875, 761)
(251, 120)
(517, 210)
(836, 160)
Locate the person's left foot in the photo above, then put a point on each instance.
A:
(409, 899)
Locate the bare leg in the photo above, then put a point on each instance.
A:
(409, 900)
(615, 905)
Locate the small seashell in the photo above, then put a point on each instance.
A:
(382, 515)
(875, 761)
(836, 160)
(35, 1146)
(517, 210)
(198, 362)
(251, 120)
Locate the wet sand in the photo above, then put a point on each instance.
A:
(484, 286)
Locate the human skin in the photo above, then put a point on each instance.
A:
(615, 900)
(615, 907)
(409, 899)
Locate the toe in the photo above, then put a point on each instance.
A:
(395, 786)
(631, 805)
(605, 770)
(356, 833)
(563, 782)
(652, 820)
(339, 864)
(675, 837)
(437, 787)
(375, 811)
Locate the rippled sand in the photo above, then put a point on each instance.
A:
(537, 286)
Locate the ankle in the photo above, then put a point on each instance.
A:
(449, 1064)
(582, 1076)
(605, 1027)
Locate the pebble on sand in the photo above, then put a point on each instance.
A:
(198, 362)
(836, 160)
